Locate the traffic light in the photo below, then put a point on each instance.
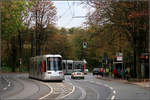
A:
(146, 57)
(84, 44)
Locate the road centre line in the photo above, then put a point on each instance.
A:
(113, 97)
(106, 85)
(51, 91)
(111, 88)
(83, 93)
(5, 88)
(101, 84)
(114, 92)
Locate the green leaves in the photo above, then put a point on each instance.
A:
(12, 11)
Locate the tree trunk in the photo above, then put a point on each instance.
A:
(138, 64)
(134, 67)
(32, 44)
(13, 53)
(20, 49)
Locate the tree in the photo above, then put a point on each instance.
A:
(55, 43)
(12, 25)
(43, 14)
(127, 18)
(63, 31)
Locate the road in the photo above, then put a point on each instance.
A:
(19, 86)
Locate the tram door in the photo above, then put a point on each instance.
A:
(64, 65)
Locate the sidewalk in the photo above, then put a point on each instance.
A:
(142, 84)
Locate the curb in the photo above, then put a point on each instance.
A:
(144, 86)
(127, 82)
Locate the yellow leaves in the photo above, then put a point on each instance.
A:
(8, 15)
(14, 6)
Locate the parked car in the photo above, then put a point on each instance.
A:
(86, 71)
(96, 71)
(77, 74)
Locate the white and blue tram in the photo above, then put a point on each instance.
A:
(46, 67)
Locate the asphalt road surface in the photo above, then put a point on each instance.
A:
(19, 86)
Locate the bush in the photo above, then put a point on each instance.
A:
(6, 69)
(135, 80)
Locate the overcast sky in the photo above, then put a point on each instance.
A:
(67, 10)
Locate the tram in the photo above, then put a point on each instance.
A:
(67, 66)
(46, 67)
(70, 65)
(79, 65)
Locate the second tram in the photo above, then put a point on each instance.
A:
(69, 66)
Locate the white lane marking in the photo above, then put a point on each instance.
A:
(113, 97)
(5, 88)
(114, 92)
(83, 93)
(101, 84)
(106, 85)
(9, 84)
(111, 88)
(68, 93)
(48, 93)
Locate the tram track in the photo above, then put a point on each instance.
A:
(58, 90)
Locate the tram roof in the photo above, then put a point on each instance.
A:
(67, 60)
(49, 55)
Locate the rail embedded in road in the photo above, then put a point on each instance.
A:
(58, 90)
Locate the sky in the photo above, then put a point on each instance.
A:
(67, 11)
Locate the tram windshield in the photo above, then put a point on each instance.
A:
(54, 63)
(79, 65)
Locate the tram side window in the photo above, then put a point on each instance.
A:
(78, 66)
(48, 64)
(64, 65)
(69, 66)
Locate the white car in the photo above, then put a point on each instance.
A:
(77, 74)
